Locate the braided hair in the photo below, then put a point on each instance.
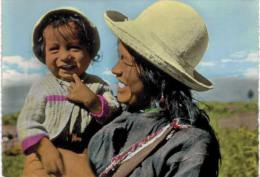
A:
(174, 98)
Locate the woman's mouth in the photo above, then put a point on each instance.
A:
(121, 84)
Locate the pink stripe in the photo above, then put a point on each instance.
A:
(116, 160)
(30, 141)
(101, 116)
(56, 98)
(135, 146)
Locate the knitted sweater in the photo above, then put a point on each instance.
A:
(46, 110)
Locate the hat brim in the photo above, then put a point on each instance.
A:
(132, 35)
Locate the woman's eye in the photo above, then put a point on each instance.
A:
(127, 62)
(124, 59)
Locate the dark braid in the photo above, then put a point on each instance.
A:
(177, 97)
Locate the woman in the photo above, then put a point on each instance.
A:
(162, 132)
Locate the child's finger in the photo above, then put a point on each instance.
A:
(76, 78)
(72, 85)
(69, 97)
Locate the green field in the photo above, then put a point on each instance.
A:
(238, 140)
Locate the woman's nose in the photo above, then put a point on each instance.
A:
(116, 70)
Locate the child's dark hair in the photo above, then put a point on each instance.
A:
(87, 35)
(177, 98)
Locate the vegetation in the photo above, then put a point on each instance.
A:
(239, 146)
(12, 165)
(10, 119)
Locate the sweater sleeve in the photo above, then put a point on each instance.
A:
(110, 100)
(31, 118)
(106, 97)
(101, 116)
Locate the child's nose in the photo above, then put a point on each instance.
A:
(65, 55)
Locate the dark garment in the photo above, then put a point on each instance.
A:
(188, 153)
(76, 142)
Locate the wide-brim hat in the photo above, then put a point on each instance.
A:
(168, 34)
(65, 11)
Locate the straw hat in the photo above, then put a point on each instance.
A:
(54, 14)
(170, 35)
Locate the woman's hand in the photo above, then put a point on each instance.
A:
(80, 93)
(76, 164)
(50, 157)
(33, 167)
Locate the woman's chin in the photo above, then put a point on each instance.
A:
(128, 100)
(123, 99)
(124, 95)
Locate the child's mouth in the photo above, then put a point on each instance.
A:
(68, 67)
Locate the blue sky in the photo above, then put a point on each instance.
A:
(232, 27)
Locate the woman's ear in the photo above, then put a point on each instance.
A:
(138, 68)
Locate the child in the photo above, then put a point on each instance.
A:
(61, 110)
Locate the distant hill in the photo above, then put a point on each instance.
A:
(230, 89)
(13, 98)
(225, 90)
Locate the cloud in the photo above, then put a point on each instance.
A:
(208, 63)
(22, 63)
(13, 77)
(240, 54)
(252, 57)
(107, 71)
(17, 70)
(236, 64)
(231, 60)
(242, 57)
(251, 73)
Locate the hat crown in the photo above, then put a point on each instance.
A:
(177, 29)
(168, 34)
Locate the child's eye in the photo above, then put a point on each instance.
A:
(74, 47)
(53, 49)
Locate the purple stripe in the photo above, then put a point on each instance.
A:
(101, 116)
(56, 98)
(30, 141)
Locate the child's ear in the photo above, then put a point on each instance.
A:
(39, 48)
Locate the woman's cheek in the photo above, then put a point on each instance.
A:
(124, 95)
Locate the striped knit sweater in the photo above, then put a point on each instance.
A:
(46, 110)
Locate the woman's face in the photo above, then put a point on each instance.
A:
(130, 87)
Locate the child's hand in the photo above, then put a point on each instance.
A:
(50, 157)
(80, 93)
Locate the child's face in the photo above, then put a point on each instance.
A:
(64, 54)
